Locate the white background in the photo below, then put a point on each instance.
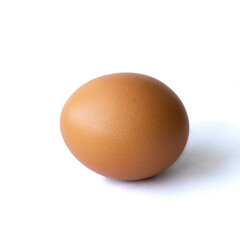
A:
(49, 48)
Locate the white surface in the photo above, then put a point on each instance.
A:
(49, 48)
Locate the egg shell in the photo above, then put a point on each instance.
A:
(125, 126)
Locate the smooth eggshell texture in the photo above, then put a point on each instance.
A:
(125, 126)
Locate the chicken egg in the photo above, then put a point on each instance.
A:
(125, 126)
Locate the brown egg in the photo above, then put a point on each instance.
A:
(125, 126)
